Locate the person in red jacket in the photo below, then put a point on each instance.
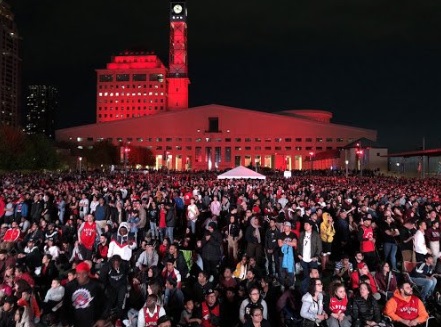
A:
(12, 236)
(362, 274)
(406, 309)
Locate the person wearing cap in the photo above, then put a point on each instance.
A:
(362, 274)
(423, 275)
(287, 242)
(366, 237)
(83, 300)
(31, 255)
(309, 248)
(21, 209)
(211, 310)
(149, 257)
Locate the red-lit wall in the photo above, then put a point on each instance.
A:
(243, 137)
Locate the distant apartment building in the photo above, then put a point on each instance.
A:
(41, 105)
(10, 68)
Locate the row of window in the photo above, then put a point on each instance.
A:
(118, 116)
(105, 78)
(208, 139)
(128, 108)
(139, 86)
(248, 148)
(133, 94)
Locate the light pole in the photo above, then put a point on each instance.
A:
(311, 158)
(347, 168)
(126, 156)
(80, 159)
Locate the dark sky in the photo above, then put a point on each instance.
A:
(374, 64)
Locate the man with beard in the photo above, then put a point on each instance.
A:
(406, 309)
(82, 300)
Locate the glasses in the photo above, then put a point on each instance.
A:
(254, 293)
(257, 315)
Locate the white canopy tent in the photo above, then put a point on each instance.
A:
(241, 172)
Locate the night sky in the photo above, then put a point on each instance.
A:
(374, 64)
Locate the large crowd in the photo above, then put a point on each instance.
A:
(186, 249)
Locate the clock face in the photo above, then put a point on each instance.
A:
(177, 9)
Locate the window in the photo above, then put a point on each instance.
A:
(288, 148)
(228, 154)
(288, 139)
(268, 148)
(159, 139)
(278, 148)
(198, 139)
(122, 77)
(139, 139)
(268, 140)
(188, 147)
(319, 148)
(156, 78)
(247, 139)
(319, 139)
(308, 139)
(257, 148)
(106, 78)
(139, 77)
(168, 139)
(339, 140)
(329, 139)
(308, 148)
(237, 148)
(298, 139)
(198, 154)
(159, 147)
(298, 148)
(213, 124)
(278, 139)
(228, 139)
(258, 140)
(247, 148)
(217, 154)
(179, 139)
(238, 139)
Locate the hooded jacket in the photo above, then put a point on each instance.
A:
(122, 245)
(399, 307)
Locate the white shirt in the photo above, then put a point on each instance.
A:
(419, 243)
(141, 317)
(307, 247)
(84, 205)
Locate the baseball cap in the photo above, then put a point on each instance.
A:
(361, 265)
(82, 267)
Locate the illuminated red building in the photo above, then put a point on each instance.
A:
(136, 84)
(145, 104)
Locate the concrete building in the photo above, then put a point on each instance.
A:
(140, 102)
(220, 137)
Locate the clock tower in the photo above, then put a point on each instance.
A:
(177, 77)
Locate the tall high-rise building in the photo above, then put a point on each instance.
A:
(41, 105)
(136, 84)
(10, 68)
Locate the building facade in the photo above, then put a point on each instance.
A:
(218, 137)
(136, 84)
(41, 107)
(10, 68)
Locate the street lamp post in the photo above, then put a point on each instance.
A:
(126, 156)
(347, 168)
(311, 159)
